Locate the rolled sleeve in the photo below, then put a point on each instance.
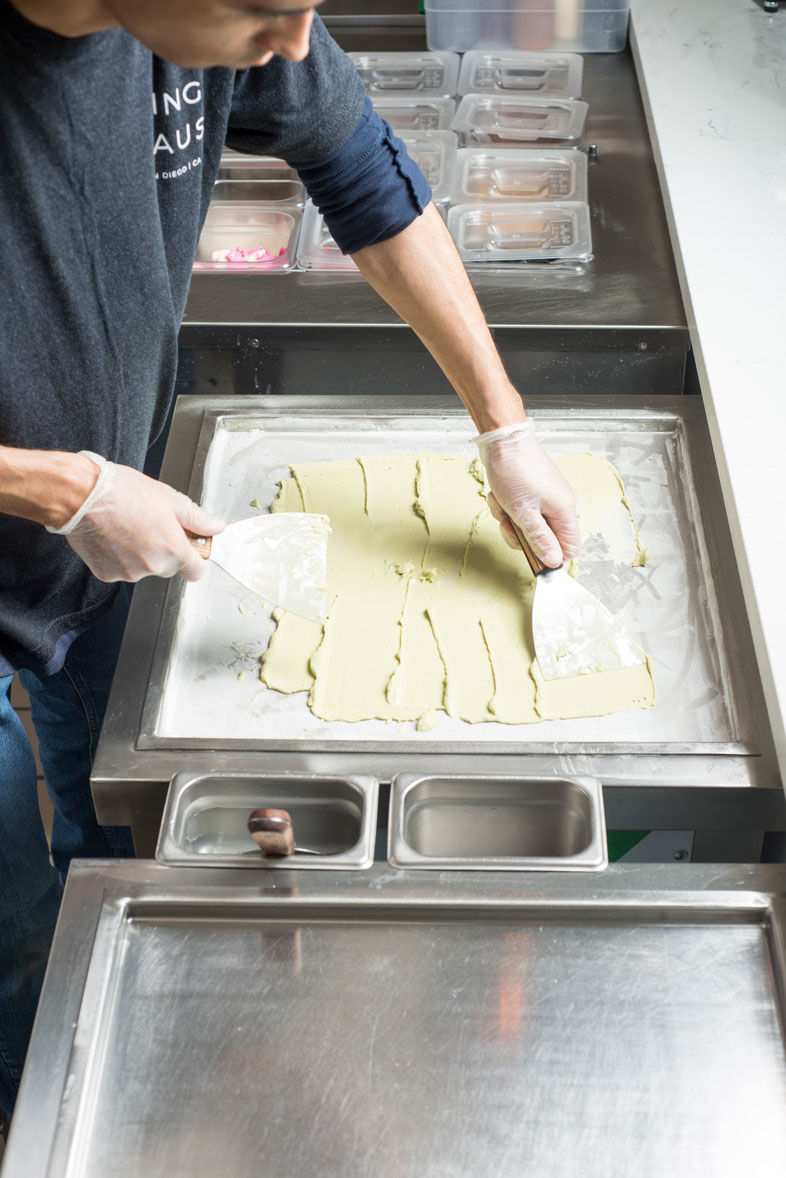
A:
(370, 189)
(300, 110)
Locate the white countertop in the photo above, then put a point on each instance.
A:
(713, 82)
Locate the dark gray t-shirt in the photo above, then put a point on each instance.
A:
(108, 157)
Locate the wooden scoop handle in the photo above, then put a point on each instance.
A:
(201, 544)
(272, 832)
(535, 563)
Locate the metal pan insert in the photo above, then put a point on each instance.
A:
(497, 824)
(205, 819)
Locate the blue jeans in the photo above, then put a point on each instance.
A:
(67, 711)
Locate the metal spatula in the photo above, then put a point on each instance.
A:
(282, 558)
(573, 632)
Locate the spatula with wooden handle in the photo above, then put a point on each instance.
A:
(573, 633)
(272, 832)
(281, 557)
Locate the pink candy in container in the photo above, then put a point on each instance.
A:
(248, 236)
(238, 254)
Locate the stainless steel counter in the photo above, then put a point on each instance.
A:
(619, 324)
(390, 1025)
(730, 788)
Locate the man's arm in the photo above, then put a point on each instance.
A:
(122, 524)
(45, 486)
(420, 274)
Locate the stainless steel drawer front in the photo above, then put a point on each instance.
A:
(365, 1026)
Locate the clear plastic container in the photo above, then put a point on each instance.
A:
(285, 191)
(408, 73)
(246, 236)
(316, 249)
(435, 154)
(510, 121)
(502, 175)
(234, 166)
(502, 233)
(407, 115)
(553, 75)
(579, 26)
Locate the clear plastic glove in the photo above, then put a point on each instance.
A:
(131, 526)
(527, 487)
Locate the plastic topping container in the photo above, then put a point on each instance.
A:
(435, 154)
(317, 250)
(407, 115)
(496, 118)
(247, 236)
(521, 233)
(508, 174)
(581, 26)
(407, 73)
(542, 74)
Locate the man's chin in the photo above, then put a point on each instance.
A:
(246, 64)
(195, 64)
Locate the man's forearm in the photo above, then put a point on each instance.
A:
(46, 486)
(420, 274)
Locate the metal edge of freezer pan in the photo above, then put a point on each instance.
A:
(723, 622)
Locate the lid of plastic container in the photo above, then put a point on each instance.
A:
(407, 115)
(525, 7)
(485, 71)
(316, 248)
(535, 232)
(435, 154)
(271, 192)
(504, 174)
(268, 167)
(501, 118)
(432, 73)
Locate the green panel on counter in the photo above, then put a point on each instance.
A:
(622, 841)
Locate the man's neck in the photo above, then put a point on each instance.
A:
(69, 18)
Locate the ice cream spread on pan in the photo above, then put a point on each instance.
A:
(428, 608)
(238, 254)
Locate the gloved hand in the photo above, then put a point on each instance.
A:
(527, 486)
(131, 526)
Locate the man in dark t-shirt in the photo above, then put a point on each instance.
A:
(115, 113)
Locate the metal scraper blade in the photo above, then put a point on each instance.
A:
(281, 557)
(574, 633)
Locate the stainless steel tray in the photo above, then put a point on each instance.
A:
(204, 821)
(204, 688)
(365, 1026)
(496, 823)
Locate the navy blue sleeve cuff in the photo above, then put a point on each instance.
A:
(370, 189)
